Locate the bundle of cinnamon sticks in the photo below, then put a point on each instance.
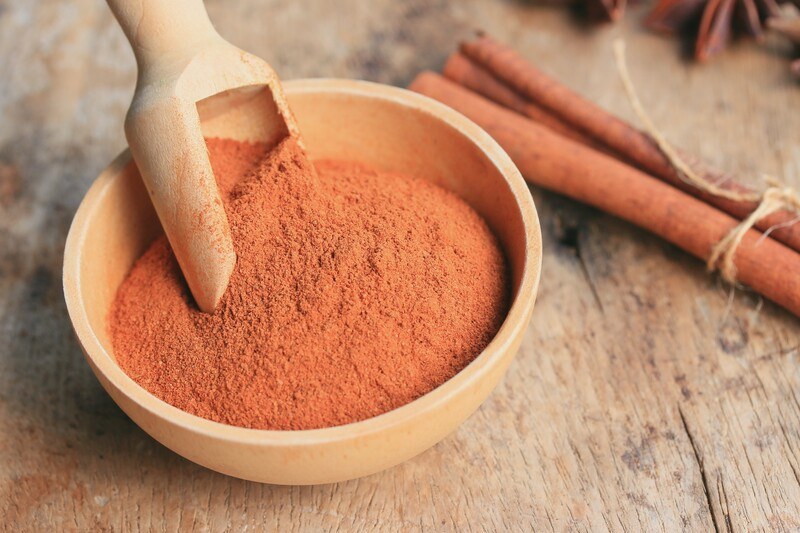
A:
(565, 143)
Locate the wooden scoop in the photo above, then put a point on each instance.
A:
(183, 60)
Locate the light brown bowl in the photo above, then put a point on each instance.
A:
(383, 126)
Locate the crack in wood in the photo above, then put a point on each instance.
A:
(570, 237)
(587, 275)
(791, 451)
(723, 501)
(703, 475)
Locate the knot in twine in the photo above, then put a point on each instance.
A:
(776, 197)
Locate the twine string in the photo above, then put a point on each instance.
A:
(775, 197)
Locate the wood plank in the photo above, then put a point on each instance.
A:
(642, 398)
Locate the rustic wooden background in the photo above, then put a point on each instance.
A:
(640, 399)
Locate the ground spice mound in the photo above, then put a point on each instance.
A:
(355, 292)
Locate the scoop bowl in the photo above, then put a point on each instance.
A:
(387, 128)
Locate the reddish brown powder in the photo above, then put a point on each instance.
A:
(355, 292)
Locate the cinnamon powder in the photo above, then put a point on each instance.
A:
(354, 293)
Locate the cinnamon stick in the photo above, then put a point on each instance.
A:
(572, 169)
(466, 72)
(620, 138)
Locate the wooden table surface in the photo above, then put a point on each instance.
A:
(642, 398)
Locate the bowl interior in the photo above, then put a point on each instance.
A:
(359, 123)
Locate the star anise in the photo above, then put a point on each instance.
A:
(715, 20)
(789, 27)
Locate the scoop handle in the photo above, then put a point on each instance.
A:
(160, 30)
(166, 140)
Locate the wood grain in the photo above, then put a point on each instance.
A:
(640, 400)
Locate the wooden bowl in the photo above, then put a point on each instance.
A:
(383, 126)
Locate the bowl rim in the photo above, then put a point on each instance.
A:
(515, 320)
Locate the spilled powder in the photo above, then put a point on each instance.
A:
(354, 293)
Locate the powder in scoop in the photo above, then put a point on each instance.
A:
(355, 292)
